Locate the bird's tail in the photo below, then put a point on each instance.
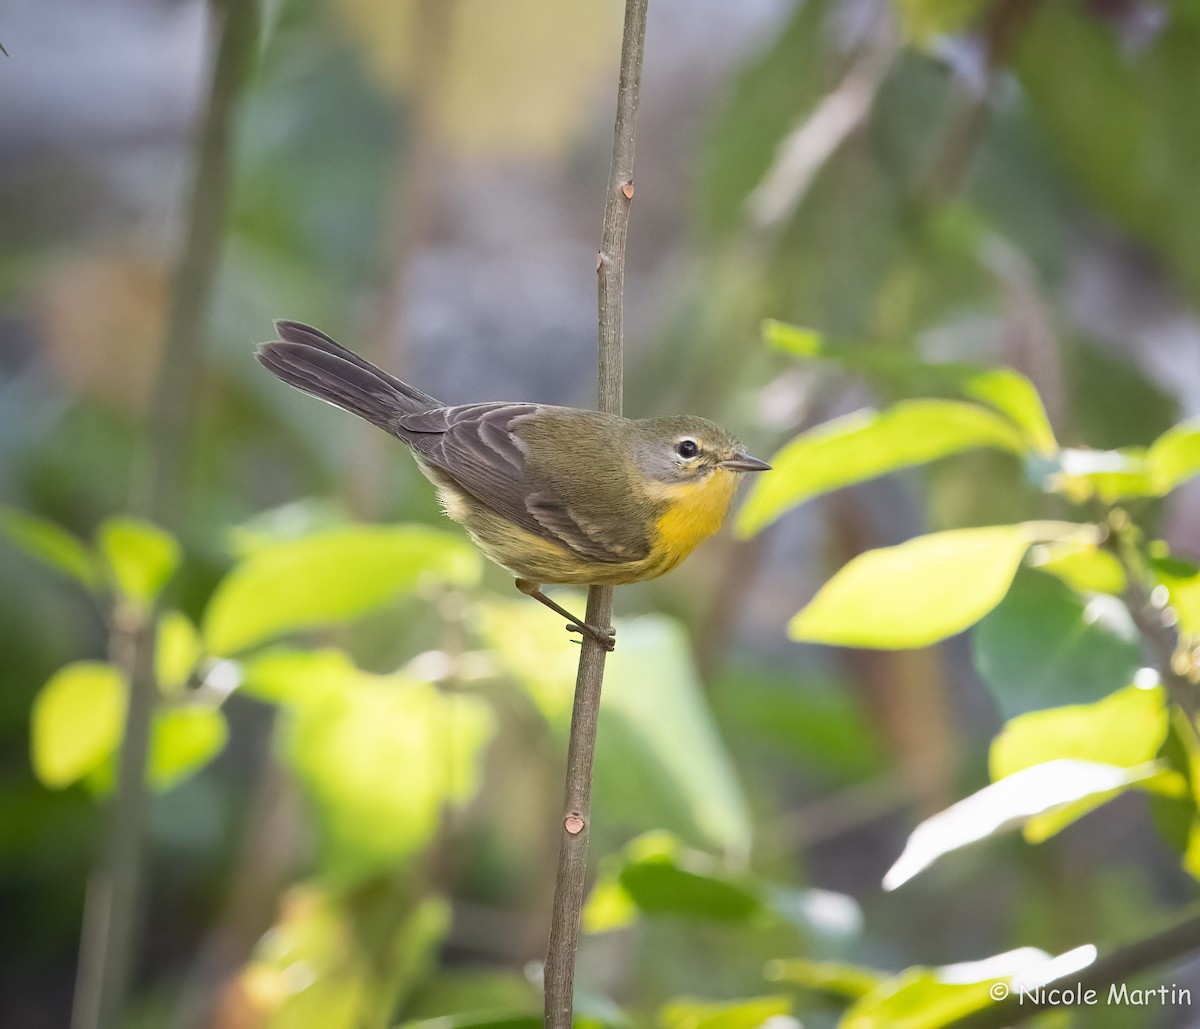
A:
(306, 358)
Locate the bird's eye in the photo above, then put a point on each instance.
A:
(688, 448)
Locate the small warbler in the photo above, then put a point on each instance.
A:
(553, 494)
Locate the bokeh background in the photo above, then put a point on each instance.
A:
(1001, 181)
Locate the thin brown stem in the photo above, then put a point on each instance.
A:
(610, 271)
(111, 909)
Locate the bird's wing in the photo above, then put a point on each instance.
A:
(479, 446)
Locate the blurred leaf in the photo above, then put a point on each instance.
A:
(866, 445)
(1003, 389)
(182, 741)
(929, 998)
(1044, 645)
(380, 758)
(686, 1013)
(78, 719)
(330, 578)
(1015, 396)
(916, 593)
(923, 20)
(660, 761)
(51, 544)
(140, 556)
(1174, 457)
(1082, 566)
(830, 977)
(280, 675)
(1007, 804)
(659, 753)
(177, 650)
(1182, 582)
(656, 876)
(1124, 730)
(1110, 475)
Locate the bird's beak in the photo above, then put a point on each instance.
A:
(745, 463)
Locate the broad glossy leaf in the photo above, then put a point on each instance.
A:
(1124, 730)
(183, 740)
(1174, 457)
(868, 444)
(281, 675)
(1013, 394)
(78, 719)
(141, 557)
(916, 593)
(51, 544)
(751, 1013)
(1007, 804)
(177, 650)
(1045, 645)
(330, 578)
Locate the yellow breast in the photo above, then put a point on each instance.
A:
(695, 510)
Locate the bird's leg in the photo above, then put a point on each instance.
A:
(605, 637)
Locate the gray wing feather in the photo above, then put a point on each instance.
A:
(479, 447)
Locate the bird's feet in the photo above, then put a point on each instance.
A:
(607, 638)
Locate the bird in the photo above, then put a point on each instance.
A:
(554, 495)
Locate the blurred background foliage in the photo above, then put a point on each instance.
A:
(356, 761)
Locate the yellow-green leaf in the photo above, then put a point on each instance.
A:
(1174, 457)
(868, 444)
(177, 651)
(916, 593)
(832, 977)
(1082, 566)
(751, 1013)
(1014, 395)
(329, 578)
(183, 740)
(51, 544)
(140, 557)
(1124, 730)
(78, 718)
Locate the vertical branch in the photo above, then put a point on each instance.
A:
(110, 910)
(610, 271)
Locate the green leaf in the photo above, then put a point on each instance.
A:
(1174, 457)
(182, 741)
(330, 578)
(830, 977)
(916, 593)
(380, 757)
(1003, 389)
(1182, 582)
(177, 651)
(51, 544)
(1082, 566)
(1044, 645)
(140, 557)
(687, 1013)
(1124, 730)
(929, 998)
(1109, 475)
(1014, 395)
(868, 444)
(284, 676)
(660, 761)
(78, 719)
(1007, 804)
(925, 20)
